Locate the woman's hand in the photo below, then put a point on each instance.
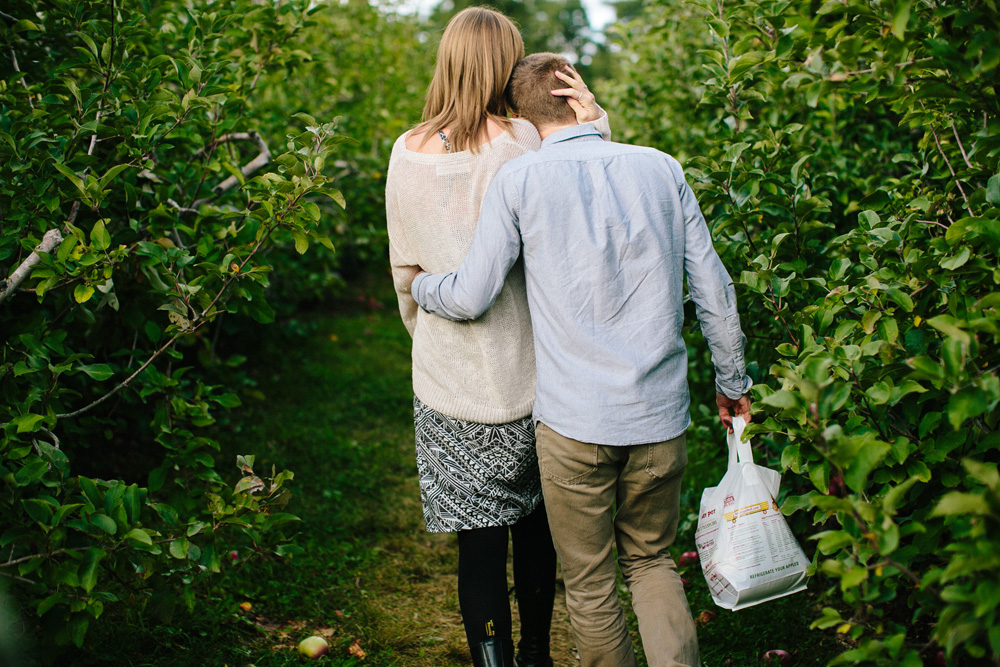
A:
(580, 99)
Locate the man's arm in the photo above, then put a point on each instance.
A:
(712, 291)
(467, 293)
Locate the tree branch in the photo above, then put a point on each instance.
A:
(965, 155)
(124, 383)
(249, 168)
(52, 238)
(13, 59)
(197, 321)
(933, 222)
(17, 578)
(262, 159)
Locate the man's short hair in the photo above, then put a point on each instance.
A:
(529, 92)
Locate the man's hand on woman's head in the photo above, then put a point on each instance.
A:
(580, 99)
(740, 407)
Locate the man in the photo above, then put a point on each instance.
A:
(607, 232)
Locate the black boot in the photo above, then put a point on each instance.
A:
(533, 652)
(493, 653)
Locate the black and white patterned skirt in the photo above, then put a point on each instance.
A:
(474, 475)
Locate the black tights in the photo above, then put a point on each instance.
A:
(482, 579)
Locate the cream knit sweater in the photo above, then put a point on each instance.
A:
(484, 370)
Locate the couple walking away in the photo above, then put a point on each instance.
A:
(548, 361)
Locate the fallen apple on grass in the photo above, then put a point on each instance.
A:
(778, 656)
(313, 647)
(705, 617)
(688, 557)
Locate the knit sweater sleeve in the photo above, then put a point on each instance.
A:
(603, 126)
(402, 258)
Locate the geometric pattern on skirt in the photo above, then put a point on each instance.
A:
(474, 475)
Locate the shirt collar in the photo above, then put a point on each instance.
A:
(570, 133)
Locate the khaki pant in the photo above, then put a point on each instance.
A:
(582, 484)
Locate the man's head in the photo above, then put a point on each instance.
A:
(529, 92)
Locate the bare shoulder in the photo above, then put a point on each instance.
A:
(415, 142)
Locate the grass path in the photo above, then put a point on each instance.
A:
(337, 410)
(332, 402)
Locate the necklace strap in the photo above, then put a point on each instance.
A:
(444, 140)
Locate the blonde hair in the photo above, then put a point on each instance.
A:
(475, 59)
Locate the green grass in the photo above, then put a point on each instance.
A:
(331, 401)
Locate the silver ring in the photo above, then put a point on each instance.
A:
(580, 97)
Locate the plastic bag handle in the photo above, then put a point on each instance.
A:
(739, 451)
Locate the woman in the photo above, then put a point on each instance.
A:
(474, 381)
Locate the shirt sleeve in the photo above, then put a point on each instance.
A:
(467, 293)
(712, 291)
(400, 259)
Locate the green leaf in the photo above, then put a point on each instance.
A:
(131, 503)
(139, 535)
(110, 174)
(793, 504)
(742, 64)
(796, 171)
(312, 210)
(27, 423)
(895, 495)
(99, 236)
(105, 523)
(88, 568)
(901, 298)
(870, 452)
(783, 399)
(876, 201)
(832, 540)
(984, 472)
(82, 293)
(39, 510)
(24, 25)
(853, 578)
(993, 189)
(301, 242)
(78, 629)
(949, 326)
(336, 196)
(869, 319)
(99, 372)
(956, 503)
(900, 18)
(50, 602)
(966, 404)
(179, 548)
(73, 178)
(878, 393)
(734, 151)
(90, 491)
(958, 260)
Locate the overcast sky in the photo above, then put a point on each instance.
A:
(599, 12)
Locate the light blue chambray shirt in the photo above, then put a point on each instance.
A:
(608, 232)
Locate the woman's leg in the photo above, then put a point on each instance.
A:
(534, 586)
(482, 594)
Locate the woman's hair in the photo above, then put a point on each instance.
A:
(529, 92)
(476, 56)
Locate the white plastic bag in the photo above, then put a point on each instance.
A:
(747, 551)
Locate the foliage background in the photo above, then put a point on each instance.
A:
(845, 153)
